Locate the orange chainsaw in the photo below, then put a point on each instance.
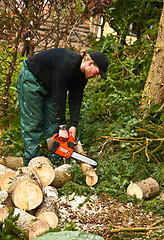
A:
(64, 148)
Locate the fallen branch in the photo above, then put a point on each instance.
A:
(141, 229)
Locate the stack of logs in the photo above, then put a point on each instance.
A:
(32, 192)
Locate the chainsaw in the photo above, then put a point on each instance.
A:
(64, 148)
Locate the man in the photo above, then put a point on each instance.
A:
(43, 84)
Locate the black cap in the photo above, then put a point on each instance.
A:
(101, 60)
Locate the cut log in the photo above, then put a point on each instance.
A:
(25, 189)
(44, 169)
(143, 190)
(51, 192)
(61, 175)
(5, 198)
(90, 172)
(12, 162)
(47, 211)
(6, 175)
(3, 212)
(29, 224)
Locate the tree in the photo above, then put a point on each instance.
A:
(53, 23)
(154, 87)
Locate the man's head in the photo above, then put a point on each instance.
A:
(101, 60)
(95, 64)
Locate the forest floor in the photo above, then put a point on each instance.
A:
(109, 218)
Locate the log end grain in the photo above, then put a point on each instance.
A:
(3, 212)
(6, 180)
(50, 217)
(135, 191)
(45, 173)
(27, 195)
(91, 179)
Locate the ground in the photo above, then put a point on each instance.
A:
(101, 216)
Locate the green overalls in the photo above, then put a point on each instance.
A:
(37, 114)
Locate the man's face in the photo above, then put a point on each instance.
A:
(91, 70)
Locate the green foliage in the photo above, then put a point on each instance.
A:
(144, 15)
(9, 229)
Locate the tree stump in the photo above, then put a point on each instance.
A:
(6, 175)
(61, 175)
(26, 189)
(143, 190)
(44, 169)
(29, 224)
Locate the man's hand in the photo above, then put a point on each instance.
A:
(63, 133)
(72, 131)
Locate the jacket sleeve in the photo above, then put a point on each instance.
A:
(75, 100)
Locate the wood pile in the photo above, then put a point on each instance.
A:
(32, 192)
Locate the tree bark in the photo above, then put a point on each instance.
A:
(51, 192)
(5, 198)
(12, 162)
(143, 190)
(44, 169)
(154, 87)
(61, 175)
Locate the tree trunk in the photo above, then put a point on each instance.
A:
(44, 169)
(143, 190)
(61, 175)
(6, 175)
(154, 87)
(26, 189)
(29, 224)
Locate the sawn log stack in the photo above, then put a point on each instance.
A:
(32, 191)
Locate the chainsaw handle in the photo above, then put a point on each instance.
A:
(58, 139)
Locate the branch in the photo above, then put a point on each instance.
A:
(135, 229)
(142, 229)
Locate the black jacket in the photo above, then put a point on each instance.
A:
(59, 70)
